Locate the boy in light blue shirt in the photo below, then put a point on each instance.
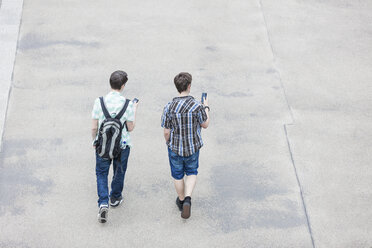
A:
(114, 102)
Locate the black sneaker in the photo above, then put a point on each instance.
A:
(179, 203)
(186, 209)
(114, 202)
(102, 214)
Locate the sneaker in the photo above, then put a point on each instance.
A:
(186, 209)
(114, 202)
(102, 214)
(179, 203)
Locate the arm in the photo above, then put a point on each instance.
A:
(132, 124)
(94, 129)
(206, 123)
(166, 123)
(167, 134)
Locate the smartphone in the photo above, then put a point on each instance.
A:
(135, 100)
(204, 95)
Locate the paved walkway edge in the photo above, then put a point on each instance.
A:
(10, 21)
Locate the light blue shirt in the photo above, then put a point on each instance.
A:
(114, 102)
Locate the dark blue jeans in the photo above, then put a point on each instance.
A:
(102, 171)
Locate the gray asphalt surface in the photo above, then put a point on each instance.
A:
(286, 158)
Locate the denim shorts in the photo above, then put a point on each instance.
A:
(183, 165)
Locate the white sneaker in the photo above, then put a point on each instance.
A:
(102, 214)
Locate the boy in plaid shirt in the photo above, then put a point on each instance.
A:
(182, 121)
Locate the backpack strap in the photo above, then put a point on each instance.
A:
(104, 109)
(122, 111)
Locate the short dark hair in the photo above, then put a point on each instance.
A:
(118, 79)
(182, 81)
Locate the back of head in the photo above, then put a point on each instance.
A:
(118, 79)
(182, 81)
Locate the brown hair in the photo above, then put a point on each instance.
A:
(182, 81)
(118, 79)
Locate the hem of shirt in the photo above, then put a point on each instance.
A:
(130, 146)
(176, 152)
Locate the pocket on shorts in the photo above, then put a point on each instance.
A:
(175, 160)
(193, 161)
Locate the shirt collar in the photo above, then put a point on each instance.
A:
(115, 93)
(182, 97)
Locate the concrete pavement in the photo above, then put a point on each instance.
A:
(287, 153)
(324, 52)
(10, 18)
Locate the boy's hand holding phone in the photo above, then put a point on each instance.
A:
(205, 99)
(135, 102)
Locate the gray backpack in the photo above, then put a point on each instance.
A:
(109, 136)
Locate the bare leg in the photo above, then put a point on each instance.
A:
(180, 188)
(190, 184)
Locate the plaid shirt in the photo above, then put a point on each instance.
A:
(184, 116)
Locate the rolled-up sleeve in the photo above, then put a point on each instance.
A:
(202, 115)
(129, 113)
(165, 118)
(96, 109)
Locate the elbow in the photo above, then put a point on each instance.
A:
(130, 126)
(205, 125)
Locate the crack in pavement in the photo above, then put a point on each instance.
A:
(299, 185)
(288, 124)
(6, 28)
(275, 66)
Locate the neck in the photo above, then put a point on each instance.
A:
(184, 93)
(118, 91)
